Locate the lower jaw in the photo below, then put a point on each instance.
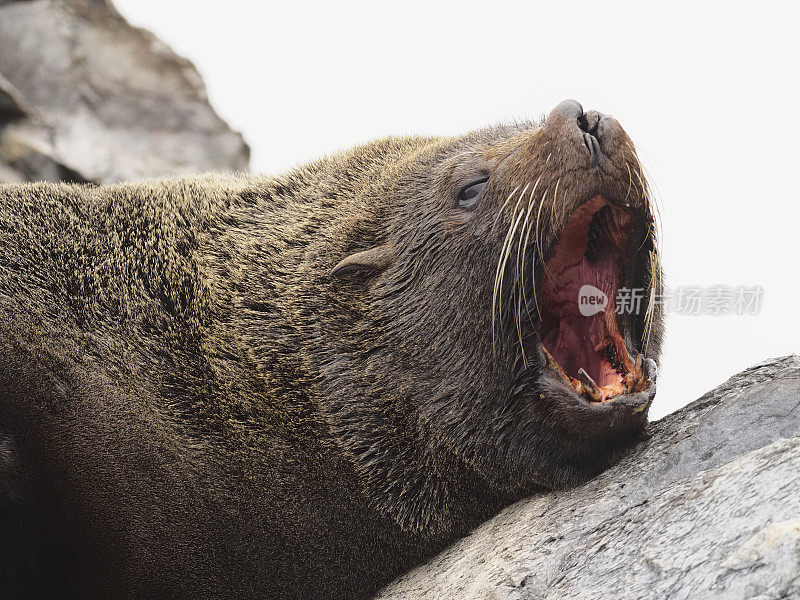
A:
(632, 377)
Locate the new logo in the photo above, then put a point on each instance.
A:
(591, 300)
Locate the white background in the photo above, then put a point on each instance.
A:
(707, 91)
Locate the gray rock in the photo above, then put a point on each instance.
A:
(86, 97)
(708, 507)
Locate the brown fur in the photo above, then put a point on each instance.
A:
(194, 407)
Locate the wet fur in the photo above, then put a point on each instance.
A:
(192, 406)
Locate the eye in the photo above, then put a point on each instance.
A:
(469, 194)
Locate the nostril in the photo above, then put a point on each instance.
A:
(584, 126)
(588, 122)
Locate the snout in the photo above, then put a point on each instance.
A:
(601, 136)
(572, 157)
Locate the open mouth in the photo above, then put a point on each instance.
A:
(581, 332)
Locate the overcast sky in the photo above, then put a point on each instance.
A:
(707, 91)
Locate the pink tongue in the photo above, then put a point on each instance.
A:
(578, 338)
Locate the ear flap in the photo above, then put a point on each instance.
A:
(373, 260)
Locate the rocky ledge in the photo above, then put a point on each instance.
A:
(707, 507)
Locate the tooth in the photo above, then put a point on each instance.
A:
(590, 386)
(636, 380)
(635, 377)
(551, 362)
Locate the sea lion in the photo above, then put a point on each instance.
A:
(301, 386)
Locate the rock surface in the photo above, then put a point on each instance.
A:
(708, 507)
(86, 97)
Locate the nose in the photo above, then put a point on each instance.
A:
(595, 129)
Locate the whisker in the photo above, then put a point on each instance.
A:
(527, 227)
(630, 183)
(641, 183)
(655, 285)
(653, 199)
(521, 247)
(519, 336)
(501, 271)
(503, 207)
(536, 237)
(501, 263)
(516, 265)
(545, 270)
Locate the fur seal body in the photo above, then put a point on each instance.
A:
(300, 387)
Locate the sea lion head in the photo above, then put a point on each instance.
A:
(494, 312)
